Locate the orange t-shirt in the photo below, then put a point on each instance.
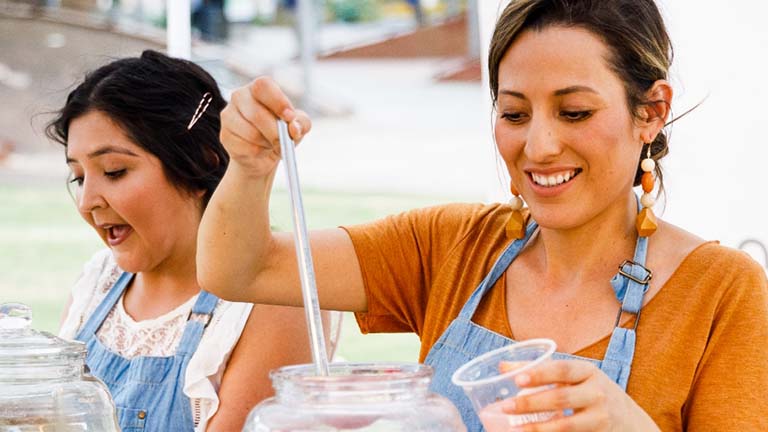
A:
(701, 360)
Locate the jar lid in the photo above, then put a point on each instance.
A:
(19, 343)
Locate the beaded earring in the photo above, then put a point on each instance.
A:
(517, 221)
(646, 221)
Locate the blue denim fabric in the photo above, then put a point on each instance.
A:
(464, 340)
(148, 391)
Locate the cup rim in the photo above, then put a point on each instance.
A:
(551, 346)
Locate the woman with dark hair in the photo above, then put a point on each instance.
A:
(675, 340)
(142, 141)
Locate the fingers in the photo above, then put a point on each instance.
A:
(569, 388)
(556, 372)
(300, 126)
(262, 103)
(268, 93)
(558, 398)
(236, 125)
(589, 420)
(262, 121)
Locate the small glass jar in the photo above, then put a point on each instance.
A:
(360, 397)
(44, 386)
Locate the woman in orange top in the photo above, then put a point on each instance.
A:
(581, 96)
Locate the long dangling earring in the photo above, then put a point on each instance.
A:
(517, 220)
(646, 220)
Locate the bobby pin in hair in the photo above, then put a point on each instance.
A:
(206, 99)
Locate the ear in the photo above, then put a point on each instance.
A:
(655, 112)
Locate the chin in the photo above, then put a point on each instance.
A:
(127, 262)
(556, 219)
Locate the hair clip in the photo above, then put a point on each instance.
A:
(207, 98)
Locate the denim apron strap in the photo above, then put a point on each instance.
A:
(630, 285)
(499, 267)
(102, 310)
(146, 389)
(193, 331)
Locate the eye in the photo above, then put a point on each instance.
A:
(114, 174)
(76, 180)
(574, 116)
(514, 117)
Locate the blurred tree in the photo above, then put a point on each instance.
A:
(352, 10)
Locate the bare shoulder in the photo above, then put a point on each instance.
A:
(674, 244)
(667, 249)
(673, 241)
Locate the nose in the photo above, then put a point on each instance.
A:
(89, 197)
(542, 144)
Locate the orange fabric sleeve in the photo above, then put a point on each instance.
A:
(400, 256)
(730, 391)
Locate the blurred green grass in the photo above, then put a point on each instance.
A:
(44, 243)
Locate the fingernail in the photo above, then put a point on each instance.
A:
(288, 114)
(299, 131)
(508, 405)
(522, 379)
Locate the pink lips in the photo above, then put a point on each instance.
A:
(118, 233)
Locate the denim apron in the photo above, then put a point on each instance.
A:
(148, 391)
(464, 340)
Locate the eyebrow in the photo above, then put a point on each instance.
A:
(105, 150)
(574, 89)
(560, 92)
(513, 94)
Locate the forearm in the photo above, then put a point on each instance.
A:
(234, 238)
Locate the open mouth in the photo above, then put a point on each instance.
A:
(116, 234)
(554, 179)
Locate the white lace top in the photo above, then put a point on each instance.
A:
(159, 336)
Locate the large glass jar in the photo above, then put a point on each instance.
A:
(43, 383)
(360, 397)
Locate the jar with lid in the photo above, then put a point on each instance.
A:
(44, 386)
(360, 397)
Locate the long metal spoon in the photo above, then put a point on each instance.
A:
(303, 254)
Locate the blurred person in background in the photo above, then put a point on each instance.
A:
(418, 11)
(209, 18)
(141, 137)
(675, 340)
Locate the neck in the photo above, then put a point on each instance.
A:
(174, 279)
(590, 252)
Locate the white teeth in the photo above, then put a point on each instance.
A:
(554, 179)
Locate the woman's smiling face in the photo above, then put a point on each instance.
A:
(123, 193)
(564, 128)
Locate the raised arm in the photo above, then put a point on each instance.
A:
(273, 337)
(239, 258)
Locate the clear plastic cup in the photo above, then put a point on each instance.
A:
(489, 379)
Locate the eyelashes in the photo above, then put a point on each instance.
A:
(112, 175)
(575, 116)
(569, 116)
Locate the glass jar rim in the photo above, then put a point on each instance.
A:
(354, 376)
